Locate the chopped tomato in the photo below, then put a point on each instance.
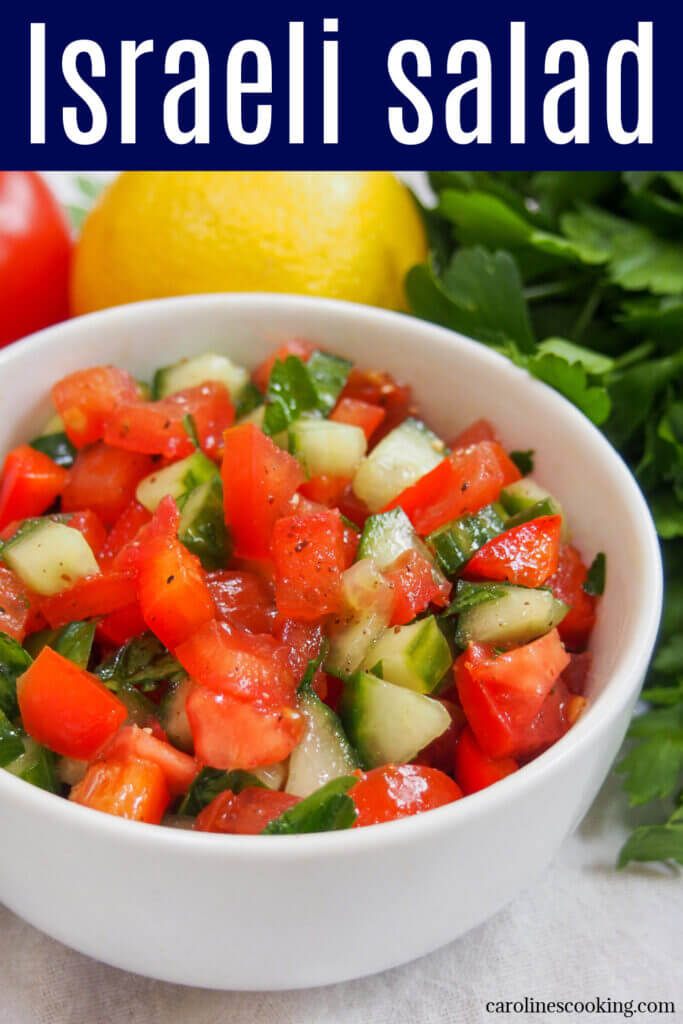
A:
(441, 751)
(302, 642)
(527, 554)
(242, 599)
(462, 483)
(480, 430)
(412, 578)
(575, 676)
(501, 694)
(304, 506)
(353, 508)
(163, 525)
(398, 791)
(309, 558)
(90, 525)
(157, 428)
(104, 479)
(29, 485)
(124, 530)
(246, 813)
(296, 347)
(135, 790)
(14, 604)
(92, 595)
(122, 625)
(133, 743)
(567, 584)
(377, 388)
(550, 724)
(35, 255)
(475, 770)
(87, 399)
(174, 598)
(247, 666)
(229, 733)
(359, 414)
(66, 708)
(259, 480)
(325, 490)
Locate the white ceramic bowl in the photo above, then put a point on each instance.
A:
(247, 912)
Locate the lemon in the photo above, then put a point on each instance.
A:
(345, 235)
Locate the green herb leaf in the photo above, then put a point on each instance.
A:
(249, 399)
(190, 428)
(329, 809)
(655, 842)
(595, 578)
(14, 661)
(143, 662)
(290, 393)
(523, 460)
(570, 380)
(73, 641)
(311, 669)
(11, 742)
(210, 783)
(329, 375)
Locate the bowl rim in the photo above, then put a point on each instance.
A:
(618, 692)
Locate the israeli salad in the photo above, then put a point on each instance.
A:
(279, 603)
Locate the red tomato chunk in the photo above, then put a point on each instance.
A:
(308, 555)
(246, 813)
(399, 791)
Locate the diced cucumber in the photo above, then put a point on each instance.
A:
(202, 525)
(53, 442)
(70, 771)
(327, 447)
(173, 716)
(272, 776)
(546, 507)
(369, 602)
(49, 557)
(524, 494)
(324, 753)
(328, 809)
(188, 373)
(329, 374)
(389, 534)
(457, 541)
(177, 480)
(401, 458)
(35, 765)
(256, 416)
(389, 723)
(517, 617)
(416, 656)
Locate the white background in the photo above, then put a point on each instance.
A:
(584, 930)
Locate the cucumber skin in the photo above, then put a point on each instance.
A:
(206, 536)
(350, 712)
(457, 541)
(427, 653)
(465, 634)
(57, 447)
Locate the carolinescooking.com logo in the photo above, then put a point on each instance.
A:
(626, 1008)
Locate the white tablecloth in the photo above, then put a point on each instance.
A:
(584, 930)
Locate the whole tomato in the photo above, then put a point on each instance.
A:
(35, 253)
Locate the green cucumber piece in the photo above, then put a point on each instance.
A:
(328, 809)
(324, 446)
(324, 752)
(388, 723)
(407, 453)
(545, 507)
(517, 617)
(416, 656)
(388, 535)
(11, 741)
(57, 447)
(70, 771)
(35, 765)
(173, 716)
(140, 708)
(189, 373)
(49, 557)
(202, 525)
(177, 480)
(272, 776)
(369, 602)
(524, 494)
(456, 542)
(329, 375)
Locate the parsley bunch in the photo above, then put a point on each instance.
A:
(578, 278)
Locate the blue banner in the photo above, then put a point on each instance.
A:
(341, 85)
